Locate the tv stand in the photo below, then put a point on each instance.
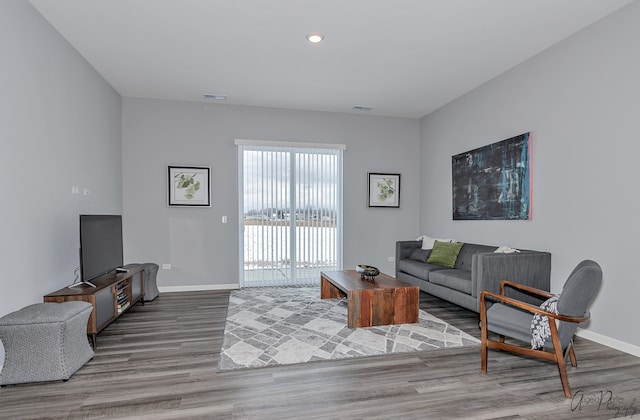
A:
(112, 295)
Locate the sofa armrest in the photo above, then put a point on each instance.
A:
(531, 268)
(404, 249)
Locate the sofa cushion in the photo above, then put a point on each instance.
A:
(465, 256)
(417, 269)
(445, 253)
(455, 279)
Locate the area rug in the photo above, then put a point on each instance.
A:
(271, 326)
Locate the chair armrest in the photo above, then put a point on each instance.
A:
(529, 308)
(527, 289)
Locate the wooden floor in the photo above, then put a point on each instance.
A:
(160, 361)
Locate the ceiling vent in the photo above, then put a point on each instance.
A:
(216, 97)
(362, 108)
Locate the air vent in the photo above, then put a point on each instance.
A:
(362, 108)
(216, 97)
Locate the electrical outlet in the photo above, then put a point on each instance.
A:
(75, 190)
(166, 266)
(391, 259)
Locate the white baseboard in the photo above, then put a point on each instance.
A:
(609, 342)
(198, 287)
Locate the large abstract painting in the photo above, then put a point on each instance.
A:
(493, 182)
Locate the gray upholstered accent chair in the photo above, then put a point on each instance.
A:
(511, 318)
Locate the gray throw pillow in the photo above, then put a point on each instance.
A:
(420, 255)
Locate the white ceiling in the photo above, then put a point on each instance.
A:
(402, 57)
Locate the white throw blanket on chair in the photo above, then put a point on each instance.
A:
(540, 331)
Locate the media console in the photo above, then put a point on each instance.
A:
(113, 295)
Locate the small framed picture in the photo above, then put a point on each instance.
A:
(189, 186)
(384, 190)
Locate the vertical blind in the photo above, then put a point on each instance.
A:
(291, 212)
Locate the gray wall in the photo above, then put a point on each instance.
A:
(579, 99)
(59, 127)
(202, 250)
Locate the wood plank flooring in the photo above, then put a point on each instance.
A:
(159, 361)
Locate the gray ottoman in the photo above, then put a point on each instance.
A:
(150, 272)
(45, 342)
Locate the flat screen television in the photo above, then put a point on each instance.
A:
(100, 245)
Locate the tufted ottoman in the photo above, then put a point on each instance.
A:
(150, 272)
(45, 342)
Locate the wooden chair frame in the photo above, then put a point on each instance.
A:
(556, 355)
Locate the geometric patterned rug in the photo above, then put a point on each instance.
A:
(271, 326)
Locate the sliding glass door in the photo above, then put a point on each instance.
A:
(291, 212)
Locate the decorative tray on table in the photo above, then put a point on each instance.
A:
(367, 272)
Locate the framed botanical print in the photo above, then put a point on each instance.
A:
(189, 186)
(384, 190)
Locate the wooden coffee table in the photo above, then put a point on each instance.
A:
(384, 301)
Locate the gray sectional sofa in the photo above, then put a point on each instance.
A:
(477, 268)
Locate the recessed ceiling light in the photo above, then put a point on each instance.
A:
(315, 37)
(216, 97)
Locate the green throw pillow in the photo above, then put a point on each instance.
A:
(445, 253)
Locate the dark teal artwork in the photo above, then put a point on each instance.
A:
(493, 182)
